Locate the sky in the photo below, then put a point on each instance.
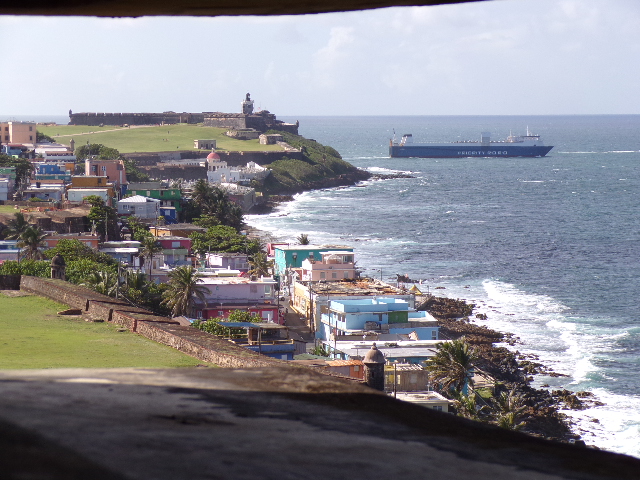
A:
(503, 57)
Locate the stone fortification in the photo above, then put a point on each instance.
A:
(165, 330)
(95, 119)
(261, 121)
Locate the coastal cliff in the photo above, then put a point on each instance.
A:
(320, 167)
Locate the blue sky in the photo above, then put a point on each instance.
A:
(489, 58)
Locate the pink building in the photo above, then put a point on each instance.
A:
(333, 266)
(112, 169)
(237, 293)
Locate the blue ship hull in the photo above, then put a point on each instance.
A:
(463, 150)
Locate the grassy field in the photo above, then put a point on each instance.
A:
(34, 336)
(8, 209)
(151, 138)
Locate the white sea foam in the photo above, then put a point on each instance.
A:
(614, 426)
(569, 346)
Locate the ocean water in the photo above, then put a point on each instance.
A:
(548, 248)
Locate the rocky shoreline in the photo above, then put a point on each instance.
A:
(511, 369)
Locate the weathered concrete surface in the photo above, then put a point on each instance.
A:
(268, 423)
(133, 8)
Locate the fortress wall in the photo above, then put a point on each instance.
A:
(205, 347)
(165, 330)
(94, 119)
(187, 172)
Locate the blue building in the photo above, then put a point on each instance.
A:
(380, 315)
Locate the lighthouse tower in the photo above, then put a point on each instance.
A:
(247, 105)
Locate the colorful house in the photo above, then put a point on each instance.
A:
(113, 170)
(169, 197)
(332, 266)
(231, 261)
(239, 293)
(175, 250)
(287, 257)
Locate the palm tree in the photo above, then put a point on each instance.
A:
(303, 239)
(182, 288)
(16, 226)
(102, 281)
(510, 409)
(260, 266)
(30, 241)
(453, 365)
(467, 405)
(149, 248)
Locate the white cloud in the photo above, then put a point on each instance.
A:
(329, 59)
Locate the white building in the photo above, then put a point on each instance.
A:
(142, 207)
(79, 194)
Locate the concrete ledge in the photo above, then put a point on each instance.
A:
(285, 423)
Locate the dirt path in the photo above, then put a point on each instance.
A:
(111, 130)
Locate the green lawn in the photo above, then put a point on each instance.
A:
(151, 139)
(8, 209)
(32, 335)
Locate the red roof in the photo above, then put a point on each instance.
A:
(213, 156)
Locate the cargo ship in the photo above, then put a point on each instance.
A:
(514, 146)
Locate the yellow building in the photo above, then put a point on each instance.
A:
(18, 132)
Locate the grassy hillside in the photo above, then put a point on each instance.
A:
(150, 138)
(322, 167)
(33, 336)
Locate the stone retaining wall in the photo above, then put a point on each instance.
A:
(165, 330)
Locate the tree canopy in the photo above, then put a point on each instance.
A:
(210, 205)
(222, 239)
(103, 216)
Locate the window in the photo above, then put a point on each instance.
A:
(30, 137)
(346, 274)
(253, 288)
(434, 335)
(31, 130)
(104, 168)
(334, 275)
(199, 313)
(175, 244)
(438, 408)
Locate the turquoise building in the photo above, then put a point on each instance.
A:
(287, 257)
